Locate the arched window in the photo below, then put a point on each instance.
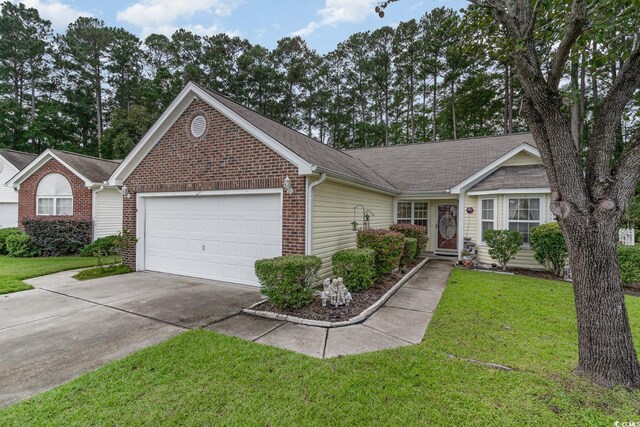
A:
(54, 196)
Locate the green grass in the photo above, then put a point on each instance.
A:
(97, 272)
(202, 378)
(14, 270)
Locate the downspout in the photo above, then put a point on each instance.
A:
(309, 212)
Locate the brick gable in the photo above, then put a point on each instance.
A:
(82, 196)
(225, 157)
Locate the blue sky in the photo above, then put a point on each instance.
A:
(323, 23)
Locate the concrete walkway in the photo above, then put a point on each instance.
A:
(402, 321)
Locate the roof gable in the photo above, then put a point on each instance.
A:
(89, 169)
(18, 159)
(436, 167)
(514, 177)
(307, 154)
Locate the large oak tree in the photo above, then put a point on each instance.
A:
(588, 198)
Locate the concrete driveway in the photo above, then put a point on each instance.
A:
(65, 328)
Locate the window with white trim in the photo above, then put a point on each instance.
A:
(416, 213)
(487, 216)
(523, 215)
(54, 196)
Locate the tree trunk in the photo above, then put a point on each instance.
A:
(605, 346)
(434, 113)
(575, 105)
(453, 109)
(506, 98)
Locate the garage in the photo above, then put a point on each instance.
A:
(8, 215)
(211, 236)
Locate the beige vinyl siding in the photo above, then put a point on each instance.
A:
(108, 213)
(523, 158)
(525, 258)
(332, 214)
(470, 221)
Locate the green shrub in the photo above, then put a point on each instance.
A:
(629, 261)
(549, 247)
(503, 245)
(288, 280)
(4, 233)
(357, 267)
(56, 237)
(20, 245)
(103, 246)
(410, 251)
(417, 232)
(388, 246)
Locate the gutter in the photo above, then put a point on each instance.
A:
(309, 211)
(353, 180)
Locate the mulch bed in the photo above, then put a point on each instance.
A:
(361, 301)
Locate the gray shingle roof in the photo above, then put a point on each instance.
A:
(314, 152)
(437, 166)
(19, 159)
(533, 176)
(94, 169)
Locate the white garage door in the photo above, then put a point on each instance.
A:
(212, 237)
(8, 215)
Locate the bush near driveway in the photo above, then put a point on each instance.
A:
(288, 281)
(103, 246)
(417, 232)
(388, 246)
(20, 245)
(4, 233)
(503, 245)
(549, 247)
(629, 261)
(57, 237)
(356, 266)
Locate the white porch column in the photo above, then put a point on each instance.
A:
(461, 208)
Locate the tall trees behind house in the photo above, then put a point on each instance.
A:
(97, 89)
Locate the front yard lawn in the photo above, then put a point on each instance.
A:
(202, 378)
(14, 270)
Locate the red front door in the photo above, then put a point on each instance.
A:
(448, 227)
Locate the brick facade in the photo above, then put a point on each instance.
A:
(82, 196)
(225, 157)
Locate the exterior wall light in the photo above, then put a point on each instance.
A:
(287, 185)
(366, 218)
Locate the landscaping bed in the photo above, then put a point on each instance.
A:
(361, 301)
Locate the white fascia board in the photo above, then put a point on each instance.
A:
(153, 135)
(484, 172)
(175, 110)
(510, 191)
(38, 163)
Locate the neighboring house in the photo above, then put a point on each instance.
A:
(11, 162)
(214, 186)
(59, 184)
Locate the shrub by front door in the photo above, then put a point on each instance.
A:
(447, 227)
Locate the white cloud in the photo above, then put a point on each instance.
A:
(160, 16)
(338, 11)
(200, 30)
(60, 14)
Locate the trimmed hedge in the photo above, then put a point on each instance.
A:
(59, 236)
(629, 261)
(388, 246)
(357, 267)
(503, 245)
(103, 246)
(4, 233)
(549, 247)
(288, 281)
(20, 245)
(410, 251)
(417, 232)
